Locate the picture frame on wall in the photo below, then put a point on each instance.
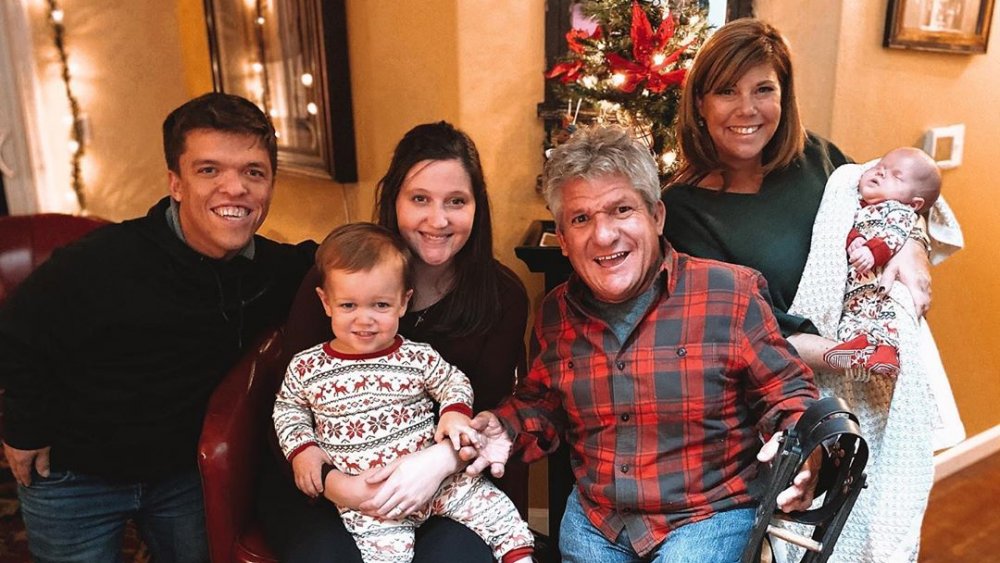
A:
(290, 58)
(948, 26)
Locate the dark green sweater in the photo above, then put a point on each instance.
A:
(110, 350)
(769, 231)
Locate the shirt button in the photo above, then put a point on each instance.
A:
(621, 365)
(682, 352)
(626, 510)
(624, 468)
(570, 364)
(625, 417)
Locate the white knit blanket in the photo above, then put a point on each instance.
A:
(898, 416)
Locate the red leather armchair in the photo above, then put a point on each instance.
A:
(235, 435)
(233, 438)
(28, 240)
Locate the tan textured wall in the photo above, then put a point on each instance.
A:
(810, 33)
(194, 46)
(883, 98)
(126, 76)
(501, 61)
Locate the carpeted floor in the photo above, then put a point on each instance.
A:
(14, 541)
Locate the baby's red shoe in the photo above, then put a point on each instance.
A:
(851, 354)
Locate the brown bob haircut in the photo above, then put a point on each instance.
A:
(734, 49)
(359, 247)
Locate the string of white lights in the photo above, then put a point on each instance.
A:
(259, 67)
(76, 123)
(259, 82)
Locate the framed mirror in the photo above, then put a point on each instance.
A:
(290, 58)
(947, 26)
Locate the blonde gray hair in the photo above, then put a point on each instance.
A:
(598, 151)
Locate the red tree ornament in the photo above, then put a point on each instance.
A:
(649, 60)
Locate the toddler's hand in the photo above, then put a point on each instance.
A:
(454, 425)
(308, 468)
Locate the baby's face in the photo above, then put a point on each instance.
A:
(892, 178)
(364, 307)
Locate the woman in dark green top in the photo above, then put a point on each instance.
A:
(769, 231)
(748, 192)
(751, 179)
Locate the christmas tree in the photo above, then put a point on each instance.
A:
(626, 63)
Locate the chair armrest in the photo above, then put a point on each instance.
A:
(232, 439)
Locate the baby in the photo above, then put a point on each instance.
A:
(365, 398)
(904, 183)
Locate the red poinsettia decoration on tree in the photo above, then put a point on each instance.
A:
(625, 63)
(649, 60)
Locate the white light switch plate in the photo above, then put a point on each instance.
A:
(945, 144)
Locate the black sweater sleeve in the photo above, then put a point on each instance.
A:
(37, 325)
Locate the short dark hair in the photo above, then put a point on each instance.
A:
(729, 53)
(219, 112)
(359, 247)
(475, 305)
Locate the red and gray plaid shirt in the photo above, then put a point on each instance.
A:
(663, 429)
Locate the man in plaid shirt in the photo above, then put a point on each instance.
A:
(661, 370)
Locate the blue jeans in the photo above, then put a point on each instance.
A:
(72, 517)
(719, 539)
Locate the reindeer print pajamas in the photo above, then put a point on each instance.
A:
(367, 410)
(886, 226)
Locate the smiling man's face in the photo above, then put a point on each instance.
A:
(224, 188)
(610, 236)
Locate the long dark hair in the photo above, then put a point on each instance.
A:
(474, 306)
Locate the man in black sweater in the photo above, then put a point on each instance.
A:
(110, 350)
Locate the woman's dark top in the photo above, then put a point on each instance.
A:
(302, 530)
(769, 231)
